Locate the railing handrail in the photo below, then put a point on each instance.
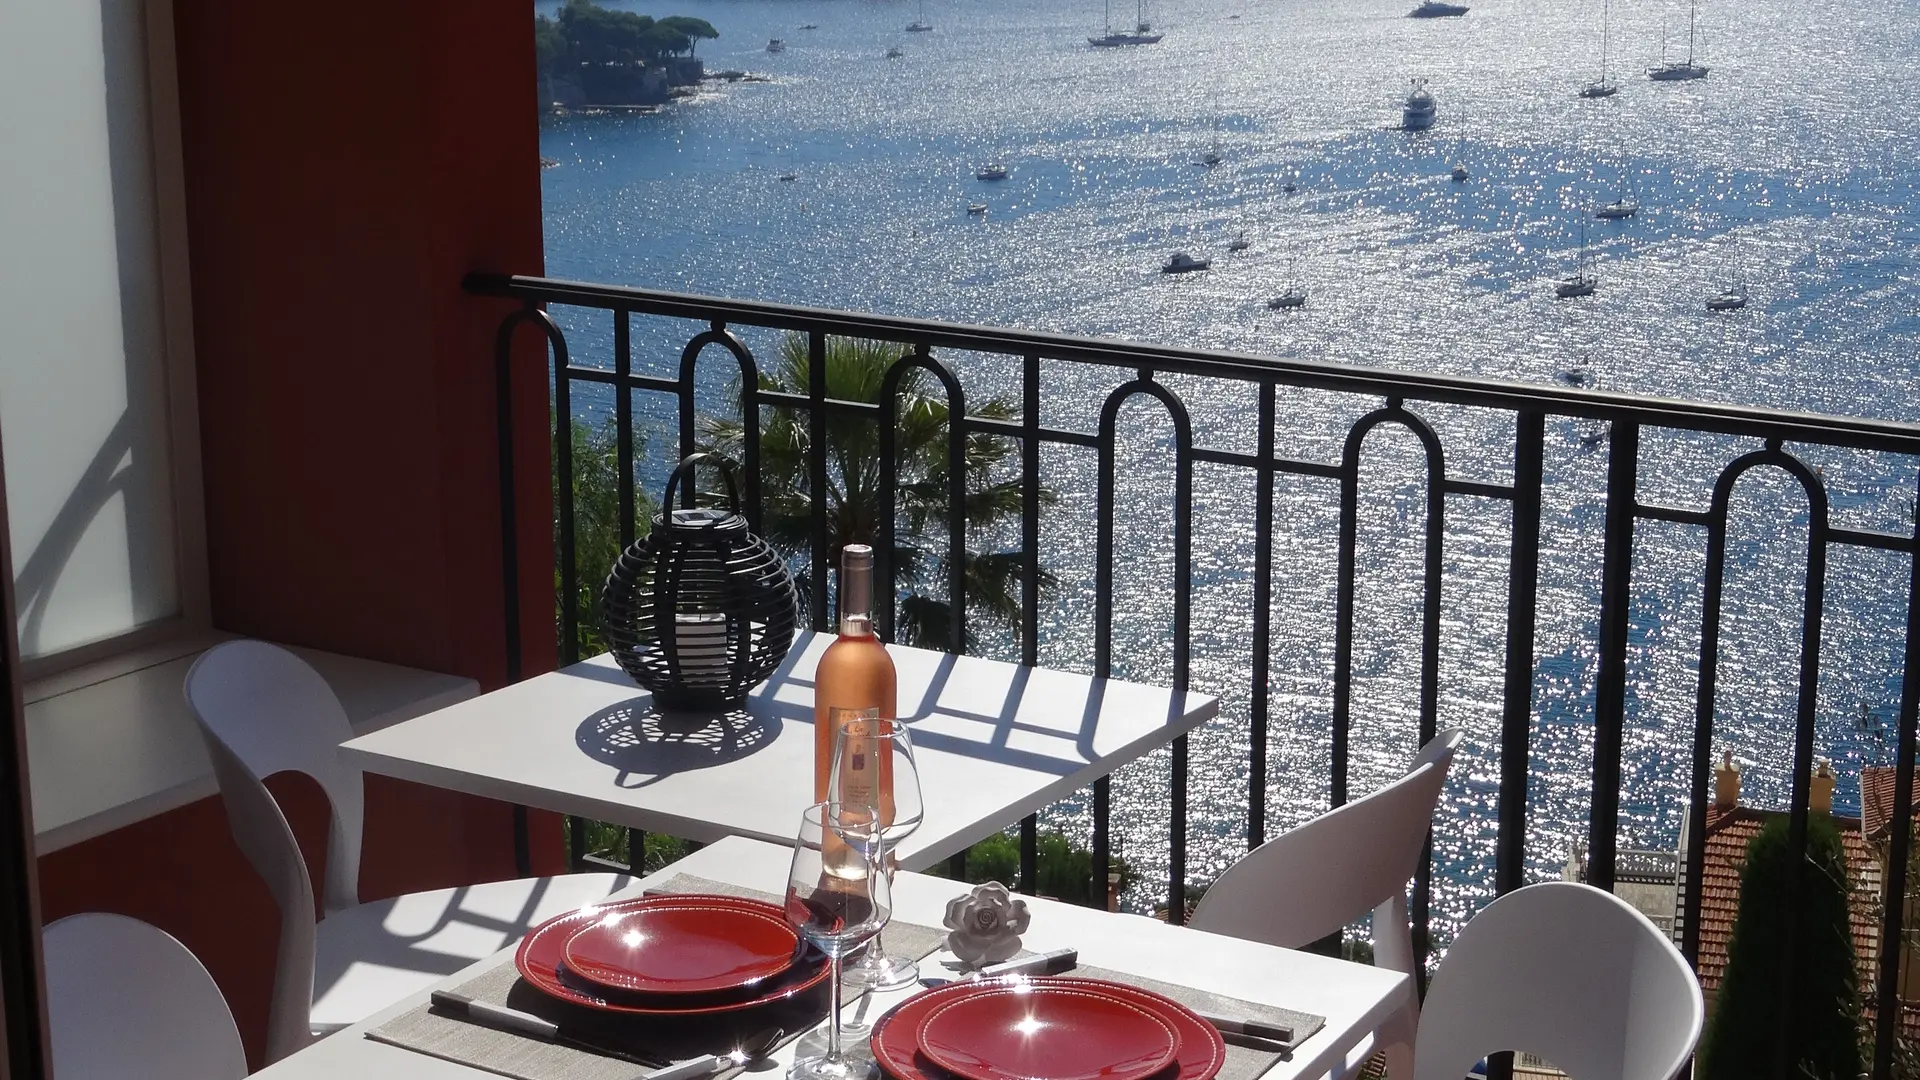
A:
(1674, 413)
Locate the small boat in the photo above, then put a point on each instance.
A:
(809, 26)
(789, 176)
(978, 209)
(1575, 376)
(1293, 297)
(1603, 88)
(1213, 156)
(1460, 173)
(1434, 9)
(1618, 210)
(993, 171)
(1577, 285)
(1583, 282)
(1418, 112)
(1183, 263)
(776, 45)
(920, 25)
(1679, 71)
(894, 52)
(1239, 242)
(1731, 300)
(1141, 34)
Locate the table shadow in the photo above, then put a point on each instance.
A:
(648, 745)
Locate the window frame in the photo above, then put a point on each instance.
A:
(191, 628)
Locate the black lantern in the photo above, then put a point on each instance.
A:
(700, 610)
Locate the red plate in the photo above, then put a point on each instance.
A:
(541, 960)
(1201, 1051)
(681, 945)
(1023, 1030)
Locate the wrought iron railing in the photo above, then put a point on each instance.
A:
(1737, 440)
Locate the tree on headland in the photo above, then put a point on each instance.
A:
(586, 33)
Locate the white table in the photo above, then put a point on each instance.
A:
(1354, 998)
(995, 742)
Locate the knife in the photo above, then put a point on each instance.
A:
(536, 1027)
(1255, 1029)
(1057, 962)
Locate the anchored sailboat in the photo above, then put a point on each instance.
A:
(1678, 72)
(1142, 33)
(1583, 282)
(920, 25)
(1603, 88)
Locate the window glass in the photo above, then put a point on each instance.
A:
(83, 392)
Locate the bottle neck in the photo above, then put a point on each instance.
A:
(856, 592)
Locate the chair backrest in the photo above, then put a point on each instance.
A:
(1570, 973)
(262, 711)
(273, 713)
(1311, 881)
(126, 999)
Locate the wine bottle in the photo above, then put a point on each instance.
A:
(855, 672)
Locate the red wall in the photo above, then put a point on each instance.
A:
(343, 172)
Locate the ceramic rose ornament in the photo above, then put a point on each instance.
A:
(986, 924)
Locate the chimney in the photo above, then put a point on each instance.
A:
(1820, 792)
(1726, 783)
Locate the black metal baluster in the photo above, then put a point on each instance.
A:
(817, 474)
(1806, 715)
(563, 481)
(623, 421)
(1610, 690)
(1262, 621)
(1516, 721)
(1892, 914)
(1030, 579)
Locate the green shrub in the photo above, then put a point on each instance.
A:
(1747, 1031)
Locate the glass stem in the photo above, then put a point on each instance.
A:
(833, 1017)
(876, 955)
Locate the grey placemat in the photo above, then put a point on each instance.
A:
(1243, 1062)
(435, 1034)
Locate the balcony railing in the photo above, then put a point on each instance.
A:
(1470, 451)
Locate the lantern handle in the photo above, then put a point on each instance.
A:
(686, 467)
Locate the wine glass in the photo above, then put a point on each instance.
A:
(873, 768)
(837, 898)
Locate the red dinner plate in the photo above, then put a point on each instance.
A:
(541, 960)
(1201, 1054)
(681, 945)
(1023, 1030)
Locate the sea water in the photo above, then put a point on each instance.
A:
(1789, 172)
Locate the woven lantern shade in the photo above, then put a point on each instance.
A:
(700, 610)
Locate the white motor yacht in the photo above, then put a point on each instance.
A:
(1419, 110)
(776, 45)
(978, 209)
(1183, 263)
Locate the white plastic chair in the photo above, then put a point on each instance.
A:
(1570, 973)
(126, 999)
(264, 711)
(1311, 881)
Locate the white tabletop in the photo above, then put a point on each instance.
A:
(1354, 998)
(995, 742)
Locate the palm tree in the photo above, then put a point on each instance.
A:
(857, 371)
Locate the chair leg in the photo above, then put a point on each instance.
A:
(1396, 1040)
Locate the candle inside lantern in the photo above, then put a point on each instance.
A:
(700, 639)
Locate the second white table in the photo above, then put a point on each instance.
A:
(996, 742)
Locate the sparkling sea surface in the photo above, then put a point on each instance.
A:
(1790, 171)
